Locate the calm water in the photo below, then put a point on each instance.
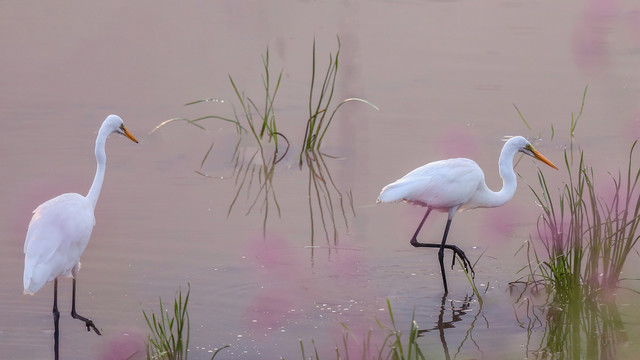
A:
(266, 273)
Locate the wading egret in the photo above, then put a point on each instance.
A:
(60, 230)
(454, 185)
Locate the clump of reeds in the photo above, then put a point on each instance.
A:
(394, 340)
(261, 120)
(169, 338)
(258, 118)
(587, 237)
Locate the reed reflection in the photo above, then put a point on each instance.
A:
(254, 169)
(575, 329)
(326, 201)
(253, 173)
(256, 117)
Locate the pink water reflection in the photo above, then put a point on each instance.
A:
(600, 20)
(590, 48)
(124, 345)
(499, 223)
(290, 294)
(278, 269)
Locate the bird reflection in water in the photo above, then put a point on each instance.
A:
(449, 315)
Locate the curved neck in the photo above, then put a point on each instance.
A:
(509, 180)
(101, 158)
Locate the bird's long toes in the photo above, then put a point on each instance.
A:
(468, 267)
(91, 326)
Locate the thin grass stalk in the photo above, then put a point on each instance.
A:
(311, 87)
(247, 111)
(318, 111)
(330, 78)
(333, 113)
(268, 103)
(574, 121)
(268, 114)
(522, 117)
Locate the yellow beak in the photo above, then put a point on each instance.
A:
(541, 157)
(128, 134)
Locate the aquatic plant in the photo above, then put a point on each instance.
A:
(572, 330)
(261, 121)
(396, 349)
(195, 122)
(267, 118)
(587, 238)
(318, 123)
(569, 289)
(574, 119)
(257, 168)
(169, 338)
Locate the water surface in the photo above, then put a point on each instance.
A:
(445, 76)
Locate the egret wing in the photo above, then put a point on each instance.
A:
(58, 233)
(441, 184)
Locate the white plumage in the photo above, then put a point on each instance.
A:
(457, 184)
(60, 230)
(58, 233)
(440, 184)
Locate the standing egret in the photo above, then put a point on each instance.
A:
(454, 185)
(60, 230)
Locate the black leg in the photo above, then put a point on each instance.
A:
(456, 250)
(56, 319)
(441, 256)
(88, 322)
(414, 239)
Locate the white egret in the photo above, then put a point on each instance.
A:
(60, 230)
(454, 185)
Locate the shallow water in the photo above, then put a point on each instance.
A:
(445, 76)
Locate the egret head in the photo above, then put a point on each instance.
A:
(525, 147)
(114, 124)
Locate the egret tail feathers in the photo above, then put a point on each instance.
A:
(392, 193)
